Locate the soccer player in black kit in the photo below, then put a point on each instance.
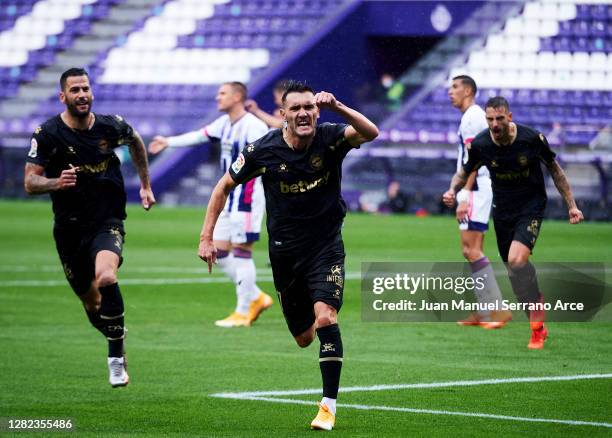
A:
(513, 154)
(72, 158)
(301, 168)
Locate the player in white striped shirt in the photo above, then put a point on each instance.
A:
(240, 223)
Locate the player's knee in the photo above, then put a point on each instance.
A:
(106, 277)
(326, 319)
(305, 339)
(471, 254)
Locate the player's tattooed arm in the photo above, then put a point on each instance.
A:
(36, 183)
(563, 186)
(139, 158)
(457, 183)
(562, 183)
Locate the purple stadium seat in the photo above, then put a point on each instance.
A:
(579, 137)
(566, 28)
(439, 95)
(545, 97)
(558, 97)
(575, 115)
(576, 98)
(597, 116)
(548, 44)
(524, 97)
(581, 28)
(580, 44)
(593, 98)
(599, 12)
(598, 28)
(583, 12)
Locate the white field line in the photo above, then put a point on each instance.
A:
(437, 412)
(272, 396)
(417, 385)
(265, 275)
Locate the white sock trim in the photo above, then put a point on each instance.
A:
(330, 403)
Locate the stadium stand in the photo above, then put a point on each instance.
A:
(552, 60)
(159, 64)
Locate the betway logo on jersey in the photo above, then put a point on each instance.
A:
(304, 186)
(95, 168)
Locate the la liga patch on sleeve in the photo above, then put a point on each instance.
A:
(238, 164)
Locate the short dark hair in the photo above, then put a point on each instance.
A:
(468, 81)
(296, 87)
(239, 88)
(74, 71)
(498, 102)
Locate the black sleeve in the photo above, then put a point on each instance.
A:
(40, 148)
(474, 161)
(248, 165)
(125, 133)
(333, 135)
(544, 152)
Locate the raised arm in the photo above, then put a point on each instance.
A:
(36, 183)
(159, 143)
(269, 119)
(562, 184)
(139, 158)
(361, 129)
(207, 250)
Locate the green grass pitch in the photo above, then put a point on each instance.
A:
(53, 364)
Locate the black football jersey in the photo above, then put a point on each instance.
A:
(302, 188)
(516, 170)
(99, 193)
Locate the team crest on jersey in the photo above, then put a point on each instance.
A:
(37, 130)
(238, 164)
(282, 167)
(316, 161)
(71, 150)
(494, 163)
(250, 148)
(33, 149)
(523, 160)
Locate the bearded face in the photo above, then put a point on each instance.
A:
(77, 96)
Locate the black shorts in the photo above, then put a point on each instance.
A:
(301, 281)
(77, 248)
(523, 228)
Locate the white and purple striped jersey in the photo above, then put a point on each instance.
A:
(473, 122)
(233, 138)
